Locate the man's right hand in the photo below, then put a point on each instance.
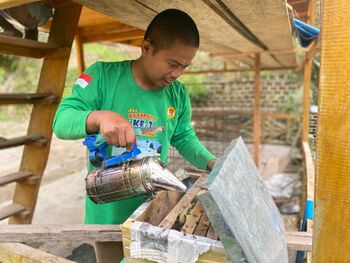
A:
(115, 129)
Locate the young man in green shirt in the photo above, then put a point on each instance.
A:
(117, 98)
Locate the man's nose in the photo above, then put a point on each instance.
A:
(177, 73)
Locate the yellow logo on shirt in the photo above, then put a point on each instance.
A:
(132, 110)
(171, 112)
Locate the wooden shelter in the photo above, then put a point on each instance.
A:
(249, 35)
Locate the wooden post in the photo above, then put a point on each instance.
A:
(307, 77)
(80, 54)
(256, 112)
(332, 214)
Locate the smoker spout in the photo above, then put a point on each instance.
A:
(162, 178)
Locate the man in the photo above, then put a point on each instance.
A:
(116, 98)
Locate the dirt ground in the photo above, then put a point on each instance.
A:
(62, 193)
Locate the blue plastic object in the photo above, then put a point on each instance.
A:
(305, 32)
(98, 153)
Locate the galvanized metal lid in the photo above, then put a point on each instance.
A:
(241, 210)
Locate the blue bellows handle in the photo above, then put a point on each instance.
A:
(97, 147)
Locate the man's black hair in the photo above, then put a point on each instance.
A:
(169, 26)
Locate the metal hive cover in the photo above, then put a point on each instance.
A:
(241, 210)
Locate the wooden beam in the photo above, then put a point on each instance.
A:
(10, 210)
(314, 48)
(29, 48)
(115, 37)
(79, 46)
(36, 140)
(59, 233)
(245, 54)
(235, 70)
(4, 4)
(27, 98)
(301, 241)
(331, 239)
(256, 112)
(14, 177)
(12, 252)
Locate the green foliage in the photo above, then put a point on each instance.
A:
(8, 64)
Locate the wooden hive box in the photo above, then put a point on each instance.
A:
(163, 216)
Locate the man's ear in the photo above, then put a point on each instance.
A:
(146, 47)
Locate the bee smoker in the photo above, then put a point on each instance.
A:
(123, 176)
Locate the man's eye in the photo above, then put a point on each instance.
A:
(172, 65)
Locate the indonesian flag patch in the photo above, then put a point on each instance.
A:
(83, 80)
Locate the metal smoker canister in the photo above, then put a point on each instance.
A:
(130, 179)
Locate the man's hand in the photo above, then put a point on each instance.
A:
(115, 129)
(211, 164)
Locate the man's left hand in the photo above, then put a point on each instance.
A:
(211, 164)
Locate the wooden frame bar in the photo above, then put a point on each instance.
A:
(59, 233)
(27, 98)
(12, 252)
(35, 140)
(29, 48)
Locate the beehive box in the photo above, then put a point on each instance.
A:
(238, 205)
(173, 225)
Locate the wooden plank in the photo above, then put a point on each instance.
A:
(34, 159)
(331, 239)
(170, 219)
(14, 177)
(27, 98)
(59, 233)
(272, 28)
(256, 112)
(10, 210)
(203, 225)
(29, 48)
(192, 219)
(160, 206)
(15, 253)
(11, 3)
(301, 241)
(36, 140)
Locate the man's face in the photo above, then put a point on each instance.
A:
(166, 65)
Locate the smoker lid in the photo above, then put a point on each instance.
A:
(241, 211)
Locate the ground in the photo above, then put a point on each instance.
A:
(62, 192)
